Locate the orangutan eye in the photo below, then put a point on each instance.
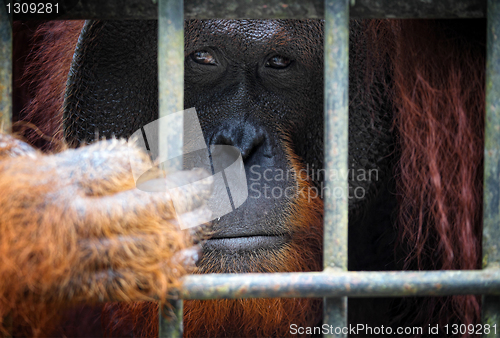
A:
(278, 62)
(203, 58)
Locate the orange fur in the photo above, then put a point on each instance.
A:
(74, 230)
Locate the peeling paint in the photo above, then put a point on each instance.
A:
(5, 72)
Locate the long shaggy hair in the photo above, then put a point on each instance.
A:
(438, 70)
(43, 83)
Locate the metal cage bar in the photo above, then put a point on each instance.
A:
(332, 283)
(5, 71)
(268, 9)
(171, 81)
(171, 101)
(491, 199)
(336, 61)
(6, 95)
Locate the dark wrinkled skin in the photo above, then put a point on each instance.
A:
(242, 102)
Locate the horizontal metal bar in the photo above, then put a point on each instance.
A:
(261, 9)
(428, 9)
(338, 284)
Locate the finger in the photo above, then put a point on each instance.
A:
(120, 285)
(188, 257)
(198, 221)
(134, 209)
(104, 286)
(183, 186)
(105, 167)
(11, 147)
(119, 251)
(132, 252)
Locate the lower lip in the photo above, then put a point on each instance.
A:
(235, 244)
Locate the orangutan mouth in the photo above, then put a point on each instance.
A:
(246, 243)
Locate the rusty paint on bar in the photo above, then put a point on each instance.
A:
(491, 210)
(255, 9)
(6, 101)
(264, 9)
(429, 9)
(336, 138)
(5, 71)
(313, 9)
(171, 320)
(491, 223)
(171, 80)
(170, 101)
(340, 284)
(336, 149)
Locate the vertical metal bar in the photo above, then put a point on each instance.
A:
(491, 216)
(171, 326)
(336, 144)
(6, 96)
(171, 79)
(171, 100)
(5, 70)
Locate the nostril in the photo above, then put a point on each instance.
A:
(248, 149)
(246, 138)
(222, 139)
